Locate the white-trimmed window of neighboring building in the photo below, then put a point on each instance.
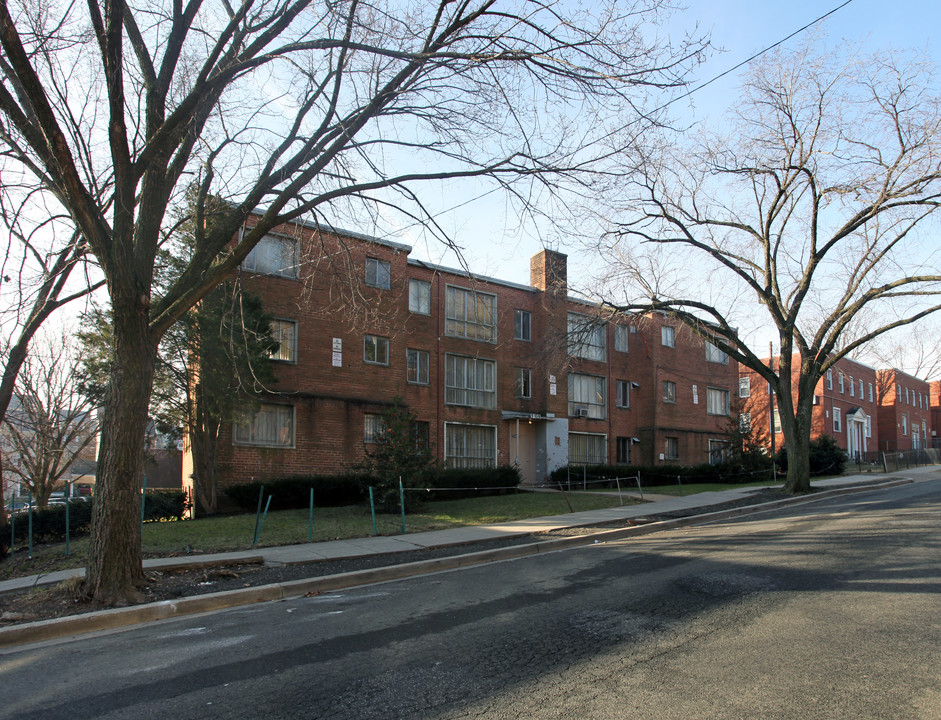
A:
(852, 387)
(622, 394)
(378, 273)
(273, 255)
(285, 333)
(717, 401)
(671, 448)
(470, 446)
(418, 366)
(667, 336)
(669, 391)
(586, 336)
(470, 381)
(271, 425)
(587, 396)
(837, 420)
(715, 355)
(861, 394)
(871, 396)
(376, 350)
(419, 297)
(373, 427)
(522, 325)
(744, 387)
(904, 424)
(776, 420)
(622, 334)
(868, 426)
(830, 379)
(523, 382)
(469, 314)
(587, 449)
(842, 387)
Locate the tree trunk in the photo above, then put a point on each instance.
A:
(115, 564)
(797, 442)
(204, 444)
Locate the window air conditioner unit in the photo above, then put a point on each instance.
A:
(581, 411)
(816, 399)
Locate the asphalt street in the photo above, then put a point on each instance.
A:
(827, 610)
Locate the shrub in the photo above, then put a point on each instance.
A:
(826, 457)
(455, 483)
(294, 492)
(658, 475)
(165, 505)
(49, 523)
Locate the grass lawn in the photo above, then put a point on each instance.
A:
(235, 532)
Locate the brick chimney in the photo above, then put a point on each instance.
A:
(548, 271)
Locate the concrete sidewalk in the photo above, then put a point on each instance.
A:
(384, 545)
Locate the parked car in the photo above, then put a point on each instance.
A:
(17, 506)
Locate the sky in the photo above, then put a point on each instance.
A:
(739, 29)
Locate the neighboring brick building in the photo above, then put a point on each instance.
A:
(905, 421)
(935, 404)
(496, 372)
(845, 406)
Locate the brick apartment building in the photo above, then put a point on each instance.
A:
(935, 404)
(496, 372)
(846, 404)
(905, 421)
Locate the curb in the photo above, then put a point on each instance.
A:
(100, 620)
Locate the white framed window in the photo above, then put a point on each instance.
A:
(837, 420)
(373, 427)
(842, 387)
(868, 426)
(671, 448)
(715, 355)
(469, 314)
(270, 425)
(861, 395)
(623, 394)
(870, 393)
(417, 366)
(586, 337)
(522, 325)
(621, 338)
(830, 379)
(588, 449)
(419, 297)
(378, 273)
(285, 333)
(776, 420)
(906, 396)
(523, 382)
(376, 350)
(273, 255)
(667, 336)
(587, 396)
(904, 424)
(470, 381)
(744, 387)
(470, 446)
(669, 391)
(717, 401)
(852, 387)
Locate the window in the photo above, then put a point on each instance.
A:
(870, 393)
(718, 450)
(284, 332)
(744, 387)
(523, 382)
(421, 431)
(715, 355)
(470, 446)
(378, 273)
(621, 334)
(623, 394)
(852, 387)
(522, 325)
(270, 425)
(776, 420)
(671, 448)
(666, 336)
(717, 401)
(273, 255)
(587, 449)
(904, 424)
(470, 381)
(669, 391)
(470, 314)
(418, 366)
(623, 445)
(868, 427)
(829, 379)
(837, 420)
(419, 297)
(373, 427)
(376, 350)
(586, 337)
(841, 383)
(744, 423)
(860, 388)
(587, 396)
(906, 396)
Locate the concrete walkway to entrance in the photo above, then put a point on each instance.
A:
(382, 545)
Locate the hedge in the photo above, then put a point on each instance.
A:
(658, 475)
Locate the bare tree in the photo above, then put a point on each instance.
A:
(49, 424)
(813, 213)
(299, 108)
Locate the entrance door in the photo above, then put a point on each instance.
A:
(523, 449)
